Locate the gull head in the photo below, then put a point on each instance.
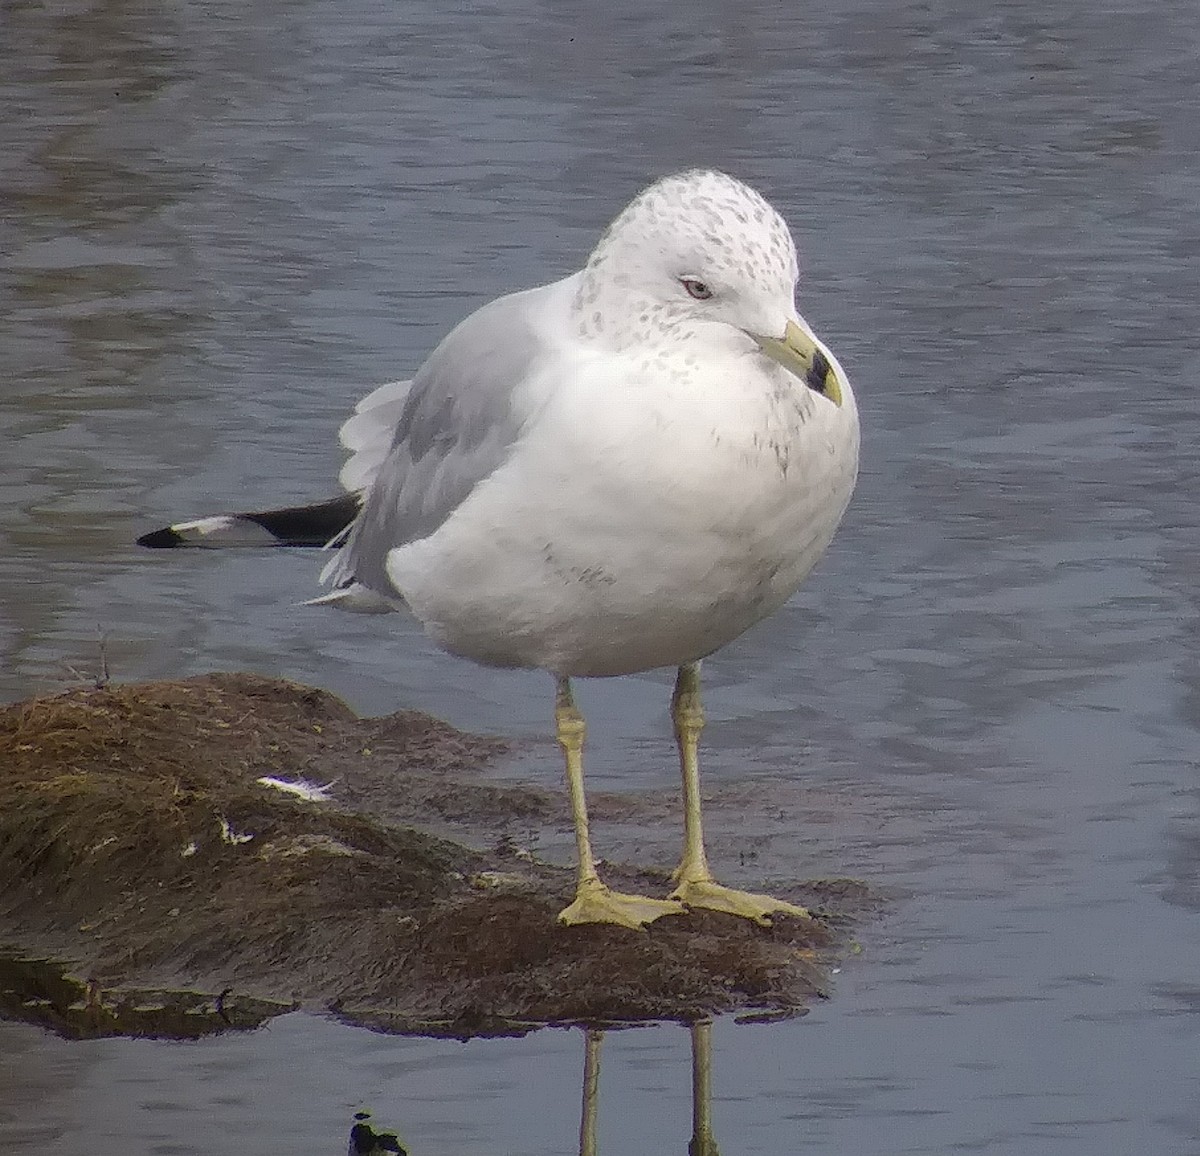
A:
(696, 250)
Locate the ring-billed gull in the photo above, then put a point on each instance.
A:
(618, 471)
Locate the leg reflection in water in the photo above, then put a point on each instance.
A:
(591, 1089)
(702, 1143)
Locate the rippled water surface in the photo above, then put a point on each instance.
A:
(221, 223)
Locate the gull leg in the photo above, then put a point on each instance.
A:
(595, 902)
(695, 884)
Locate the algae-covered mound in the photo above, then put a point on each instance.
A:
(111, 796)
(139, 842)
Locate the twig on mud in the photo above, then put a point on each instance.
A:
(102, 676)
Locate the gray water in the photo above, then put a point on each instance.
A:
(222, 223)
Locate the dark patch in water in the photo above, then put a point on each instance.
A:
(42, 992)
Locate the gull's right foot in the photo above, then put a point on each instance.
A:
(597, 903)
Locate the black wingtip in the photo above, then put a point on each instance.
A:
(164, 539)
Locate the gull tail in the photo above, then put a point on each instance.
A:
(315, 525)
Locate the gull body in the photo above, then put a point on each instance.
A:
(600, 493)
(622, 470)
(734, 491)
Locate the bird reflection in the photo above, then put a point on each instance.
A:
(702, 1143)
(365, 1141)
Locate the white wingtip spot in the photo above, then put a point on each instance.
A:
(224, 530)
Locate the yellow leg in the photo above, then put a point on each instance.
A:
(594, 901)
(695, 884)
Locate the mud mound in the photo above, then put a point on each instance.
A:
(138, 841)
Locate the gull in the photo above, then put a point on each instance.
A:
(619, 471)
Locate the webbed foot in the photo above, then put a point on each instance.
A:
(597, 903)
(713, 896)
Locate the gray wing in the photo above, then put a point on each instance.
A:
(462, 415)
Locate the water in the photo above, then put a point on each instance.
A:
(221, 224)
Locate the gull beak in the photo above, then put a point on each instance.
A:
(803, 355)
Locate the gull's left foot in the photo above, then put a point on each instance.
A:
(749, 905)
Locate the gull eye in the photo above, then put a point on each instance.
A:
(697, 289)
